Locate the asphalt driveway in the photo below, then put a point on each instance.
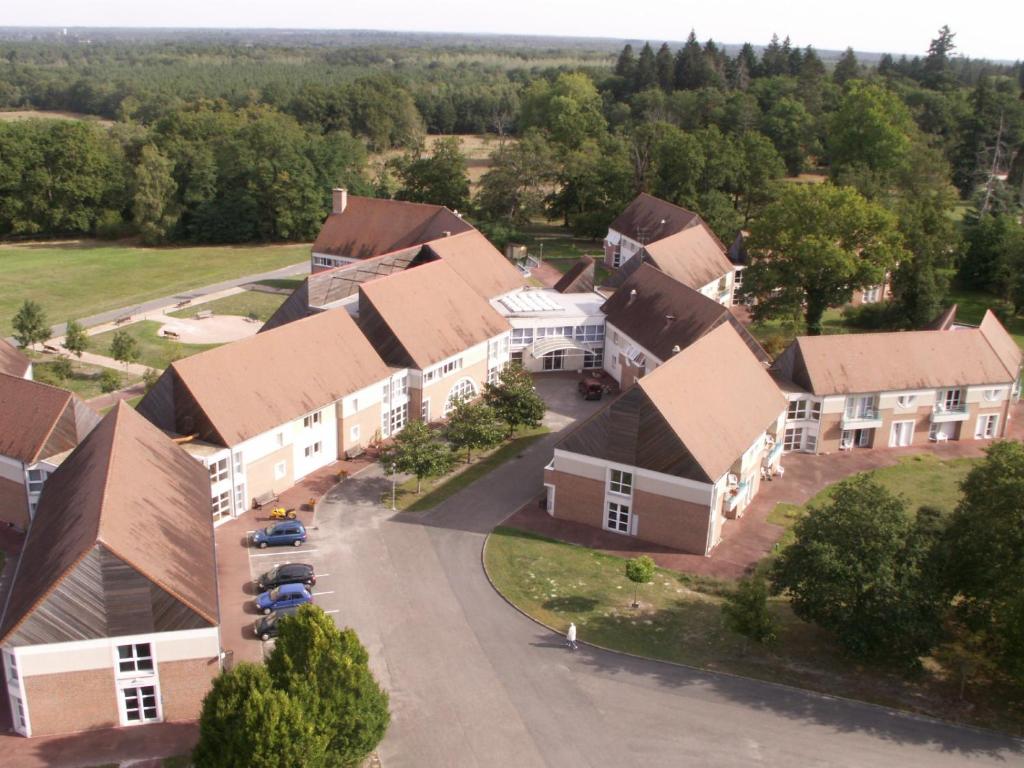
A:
(475, 683)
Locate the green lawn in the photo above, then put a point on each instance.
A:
(679, 619)
(156, 351)
(436, 489)
(85, 378)
(971, 306)
(255, 303)
(286, 283)
(80, 279)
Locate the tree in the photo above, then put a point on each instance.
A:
(860, 567)
(61, 368)
(569, 109)
(663, 64)
(986, 545)
(30, 324)
(937, 72)
(246, 722)
(691, 66)
(625, 67)
(813, 246)
(416, 451)
(514, 398)
(474, 425)
(639, 570)
(920, 283)
(327, 671)
(516, 184)
(847, 68)
(792, 130)
(646, 69)
(441, 178)
(154, 208)
(76, 341)
(150, 377)
(110, 380)
(124, 348)
(746, 610)
(993, 259)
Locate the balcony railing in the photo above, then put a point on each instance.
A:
(733, 500)
(862, 418)
(943, 412)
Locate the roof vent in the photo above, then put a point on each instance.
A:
(447, 233)
(632, 297)
(339, 200)
(676, 350)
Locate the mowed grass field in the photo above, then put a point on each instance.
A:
(78, 279)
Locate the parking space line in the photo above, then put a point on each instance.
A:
(333, 610)
(322, 575)
(281, 554)
(330, 592)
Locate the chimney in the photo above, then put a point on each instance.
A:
(339, 200)
(632, 297)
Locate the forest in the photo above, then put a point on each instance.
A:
(220, 140)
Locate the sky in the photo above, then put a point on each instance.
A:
(992, 30)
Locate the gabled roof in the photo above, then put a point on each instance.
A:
(13, 361)
(664, 313)
(231, 393)
(944, 321)
(579, 278)
(38, 421)
(369, 227)
(122, 542)
(902, 360)
(479, 263)
(648, 219)
(693, 417)
(421, 316)
(694, 257)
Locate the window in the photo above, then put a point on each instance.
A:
(139, 704)
(443, 370)
(425, 410)
(737, 279)
(620, 482)
(991, 395)
(522, 336)
(615, 337)
(464, 390)
(723, 283)
(353, 434)
(12, 668)
(617, 518)
(906, 401)
(134, 658)
(280, 439)
(312, 420)
(793, 439)
(19, 713)
(815, 410)
(239, 464)
(589, 333)
(593, 358)
(492, 374)
(221, 505)
(949, 400)
(354, 405)
(36, 479)
(240, 497)
(219, 471)
(811, 442)
(872, 294)
(401, 385)
(313, 450)
(554, 361)
(860, 407)
(988, 426)
(399, 417)
(280, 470)
(797, 410)
(516, 357)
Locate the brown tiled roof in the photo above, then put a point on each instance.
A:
(645, 317)
(424, 315)
(12, 360)
(37, 420)
(127, 495)
(694, 257)
(1001, 341)
(648, 219)
(479, 263)
(903, 360)
(693, 417)
(579, 278)
(370, 226)
(944, 321)
(242, 389)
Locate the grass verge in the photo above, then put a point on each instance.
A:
(84, 380)
(245, 304)
(155, 351)
(79, 279)
(679, 620)
(437, 489)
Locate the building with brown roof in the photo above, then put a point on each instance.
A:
(579, 278)
(678, 453)
(873, 390)
(363, 227)
(112, 616)
(653, 317)
(430, 321)
(263, 412)
(39, 425)
(14, 362)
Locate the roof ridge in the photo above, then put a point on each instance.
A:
(115, 416)
(981, 330)
(46, 438)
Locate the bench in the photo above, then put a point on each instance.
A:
(171, 335)
(354, 452)
(263, 499)
(204, 314)
(183, 303)
(50, 348)
(122, 320)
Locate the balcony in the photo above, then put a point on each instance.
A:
(864, 418)
(736, 494)
(943, 413)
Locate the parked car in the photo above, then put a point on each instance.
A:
(286, 573)
(266, 626)
(279, 534)
(591, 388)
(285, 596)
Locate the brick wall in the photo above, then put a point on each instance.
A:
(368, 420)
(259, 474)
(183, 684)
(71, 701)
(579, 499)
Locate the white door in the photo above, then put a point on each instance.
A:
(902, 434)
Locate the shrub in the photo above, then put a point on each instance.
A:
(110, 380)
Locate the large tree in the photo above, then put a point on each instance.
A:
(515, 186)
(860, 567)
(474, 426)
(813, 246)
(440, 177)
(30, 324)
(76, 341)
(417, 451)
(327, 671)
(514, 398)
(154, 207)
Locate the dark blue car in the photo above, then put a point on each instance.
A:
(285, 596)
(279, 534)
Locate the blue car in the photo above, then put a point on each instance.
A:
(279, 534)
(285, 596)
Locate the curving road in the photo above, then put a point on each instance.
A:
(475, 683)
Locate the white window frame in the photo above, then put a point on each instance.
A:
(987, 427)
(872, 294)
(35, 484)
(134, 659)
(459, 392)
(620, 482)
(892, 433)
(280, 470)
(353, 433)
(793, 439)
(313, 419)
(593, 358)
(219, 470)
(313, 449)
(992, 395)
(618, 508)
(950, 399)
(425, 410)
(220, 505)
(398, 418)
(137, 685)
(797, 410)
(906, 401)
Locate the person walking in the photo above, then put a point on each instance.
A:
(570, 637)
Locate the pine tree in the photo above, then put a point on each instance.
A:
(625, 67)
(646, 69)
(691, 66)
(665, 67)
(937, 73)
(847, 68)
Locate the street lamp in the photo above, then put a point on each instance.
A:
(393, 508)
